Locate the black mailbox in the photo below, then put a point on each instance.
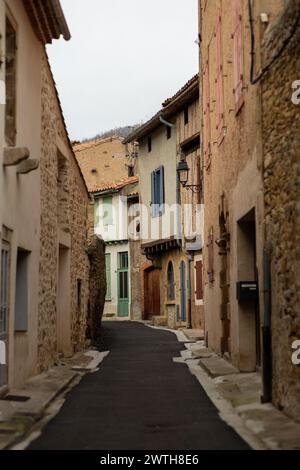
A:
(247, 290)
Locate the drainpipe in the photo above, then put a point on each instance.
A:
(166, 123)
(266, 331)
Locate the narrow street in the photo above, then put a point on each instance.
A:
(139, 399)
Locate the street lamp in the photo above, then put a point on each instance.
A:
(183, 177)
(183, 172)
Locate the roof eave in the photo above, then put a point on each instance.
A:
(47, 20)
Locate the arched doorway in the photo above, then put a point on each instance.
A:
(183, 291)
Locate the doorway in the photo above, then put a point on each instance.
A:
(123, 285)
(4, 312)
(152, 293)
(63, 303)
(183, 291)
(249, 315)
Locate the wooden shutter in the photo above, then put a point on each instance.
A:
(199, 280)
(206, 111)
(219, 78)
(108, 276)
(96, 213)
(161, 188)
(107, 210)
(210, 247)
(238, 51)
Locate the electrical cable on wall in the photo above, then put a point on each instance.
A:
(266, 68)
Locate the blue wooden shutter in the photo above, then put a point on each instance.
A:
(162, 189)
(153, 193)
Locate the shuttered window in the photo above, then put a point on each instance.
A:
(107, 212)
(157, 192)
(171, 282)
(210, 249)
(199, 280)
(238, 52)
(219, 80)
(108, 275)
(96, 213)
(10, 83)
(206, 110)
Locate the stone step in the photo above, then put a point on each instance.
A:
(159, 321)
(215, 366)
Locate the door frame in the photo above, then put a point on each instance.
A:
(124, 301)
(5, 246)
(183, 296)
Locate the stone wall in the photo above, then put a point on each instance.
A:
(64, 203)
(281, 135)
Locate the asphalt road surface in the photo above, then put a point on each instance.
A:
(139, 400)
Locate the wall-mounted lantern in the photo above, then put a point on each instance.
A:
(183, 177)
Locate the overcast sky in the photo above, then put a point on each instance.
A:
(124, 59)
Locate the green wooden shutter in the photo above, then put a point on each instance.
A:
(108, 275)
(107, 210)
(96, 213)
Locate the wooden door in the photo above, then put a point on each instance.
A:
(152, 293)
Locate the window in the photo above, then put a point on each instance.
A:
(123, 260)
(158, 192)
(130, 170)
(108, 276)
(21, 300)
(238, 54)
(186, 116)
(219, 80)
(149, 144)
(199, 280)
(169, 132)
(107, 213)
(171, 282)
(10, 83)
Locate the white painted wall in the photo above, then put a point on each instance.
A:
(111, 306)
(164, 153)
(118, 230)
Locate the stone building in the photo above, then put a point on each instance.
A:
(249, 59)
(281, 159)
(110, 173)
(172, 270)
(43, 203)
(232, 154)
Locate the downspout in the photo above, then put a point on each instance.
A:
(266, 331)
(166, 123)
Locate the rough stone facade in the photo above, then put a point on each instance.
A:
(233, 177)
(96, 254)
(281, 136)
(64, 203)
